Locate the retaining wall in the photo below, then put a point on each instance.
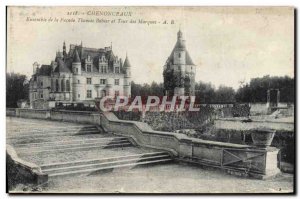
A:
(84, 117)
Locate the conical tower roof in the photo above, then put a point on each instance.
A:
(76, 57)
(126, 63)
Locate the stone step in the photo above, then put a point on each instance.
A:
(46, 134)
(88, 140)
(103, 146)
(63, 146)
(102, 160)
(94, 170)
(105, 164)
(58, 129)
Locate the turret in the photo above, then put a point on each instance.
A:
(76, 64)
(127, 79)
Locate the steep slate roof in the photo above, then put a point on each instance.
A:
(61, 67)
(76, 57)
(45, 70)
(77, 53)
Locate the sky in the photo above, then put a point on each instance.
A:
(227, 44)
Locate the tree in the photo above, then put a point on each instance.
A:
(17, 88)
(256, 90)
(225, 94)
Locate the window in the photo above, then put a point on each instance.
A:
(117, 81)
(89, 80)
(102, 81)
(103, 93)
(117, 69)
(62, 85)
(78, 81)
(103, 69)
(41, 95)
(68, 85)
(76, 70)
(78, 95)
(57, 86)
(41, 83)
(179, 55)
(89, 93)
(117, 93)
(89, 68)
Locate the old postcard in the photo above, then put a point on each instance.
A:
(150, 100)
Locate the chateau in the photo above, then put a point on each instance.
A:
(179, 71)
(80, 76)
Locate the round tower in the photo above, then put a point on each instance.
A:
(78, 92)
(127, 77)
(76, 64)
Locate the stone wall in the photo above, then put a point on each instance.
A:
(242, 124)
(59, 115)
(22, 172)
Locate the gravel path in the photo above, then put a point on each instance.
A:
(169, 178)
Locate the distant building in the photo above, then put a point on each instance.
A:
(179, 71)
(80, 75)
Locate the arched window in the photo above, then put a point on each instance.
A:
(57, 86)
(62, 85)
(68, 85)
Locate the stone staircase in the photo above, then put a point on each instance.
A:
(48, 132)
(74, 150)
(105, 164)
(74, 145)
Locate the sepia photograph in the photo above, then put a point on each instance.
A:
(150, 100)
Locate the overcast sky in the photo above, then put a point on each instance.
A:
(228, 45)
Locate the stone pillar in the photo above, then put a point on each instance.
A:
(271, 163)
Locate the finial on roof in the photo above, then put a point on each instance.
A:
(111, 45)
(179, 34)
(81, 43)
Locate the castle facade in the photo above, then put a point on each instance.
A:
(80, 75)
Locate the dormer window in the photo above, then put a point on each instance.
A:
(89, 68)
(103, 69)
(117, 69)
